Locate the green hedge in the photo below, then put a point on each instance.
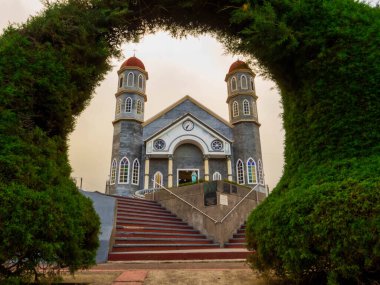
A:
(321, 224)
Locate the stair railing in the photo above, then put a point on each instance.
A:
(233, 209)
(186, 202)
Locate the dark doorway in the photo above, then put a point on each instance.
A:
(187, 176)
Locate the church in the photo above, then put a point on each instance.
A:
(186, 142)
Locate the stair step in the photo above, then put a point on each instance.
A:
(235, 245)
(123, 229)
(142, 209)
(124, 241)
(239, 235)
(152, 247)
(134, 200)
(147, 206)
(180, 255)
(159, 235)
(148, 216)
(152, 224)
(139, 219)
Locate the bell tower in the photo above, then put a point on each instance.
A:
(242, 106)
(125, 173)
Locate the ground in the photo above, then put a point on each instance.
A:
(162, 273)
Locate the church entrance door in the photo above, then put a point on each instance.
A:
(187, 176)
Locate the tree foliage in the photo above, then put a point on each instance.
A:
(322, 222)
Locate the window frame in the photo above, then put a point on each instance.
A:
(246, 107)
(240, 179)
(245, 86)
(128, 103)
(249, 171)
(235, 109)
(158, 173)
(113, 172)
(136, 172)
(260, 172)
(118, 106)
(120, 169)
(216, 175)
(142, 81)
(139, 107)
(233, 83)
(129, 78)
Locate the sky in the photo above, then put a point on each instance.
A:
(194, 66)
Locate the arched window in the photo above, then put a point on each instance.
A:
(121, 82)
(135, 172)
(113, 172)
(235, 109)
(240, 172)
(260, 172)
(244, 84)
(246, 108)
(124, 171)
(251, 171)
(252, 84)
(141, 81)
(118, 106)
(139, 107)
(130, 79)
(216, 176)
(233, 84)
(128, 105)
(158, 180)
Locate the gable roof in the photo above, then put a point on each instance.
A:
(187, 97)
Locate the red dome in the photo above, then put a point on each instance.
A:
(238, 65)
(133, 62)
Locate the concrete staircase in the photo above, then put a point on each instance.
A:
(147, 231)
(238, 239)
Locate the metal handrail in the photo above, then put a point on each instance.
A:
(183, 200)
(141, 193)
(253, 189)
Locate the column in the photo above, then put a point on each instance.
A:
(146, 180)
(170, 171)
(207, 174)
(229, 168)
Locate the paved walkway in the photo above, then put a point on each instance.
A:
(216, 272)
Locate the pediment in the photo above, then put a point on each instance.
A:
(188, 129)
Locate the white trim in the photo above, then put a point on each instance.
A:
(188, 139)
(260, 171)
(113, 170)
(142, 82)
(232, 85)
(129, 99)
(237, 171)
(187, 169)
(154, 179)
(246, 103)
(255, 165)
(252, 83)
(138, 171)
(235, 112)
(125, 182)
(128, 79)
(118, 106)
(241, 82)
(216, 176)
(139, 107)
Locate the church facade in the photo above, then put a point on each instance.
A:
(186, 142)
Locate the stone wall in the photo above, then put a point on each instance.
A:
(216, 229)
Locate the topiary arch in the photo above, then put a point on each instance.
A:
(322, 222)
